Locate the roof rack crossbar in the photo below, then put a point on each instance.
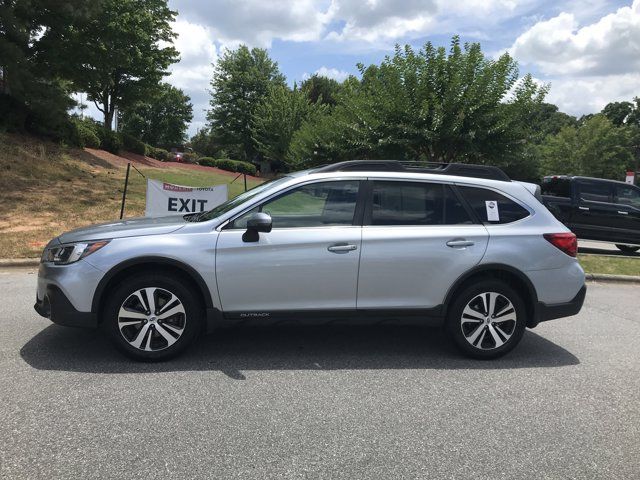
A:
(458, 169)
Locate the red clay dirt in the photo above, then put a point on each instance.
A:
(141, 160)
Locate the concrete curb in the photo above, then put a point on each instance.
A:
(591, 277)
(603, 277)
(19, 262)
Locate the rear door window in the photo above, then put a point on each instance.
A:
(415, 203)
(595, 191)
(557, 187)
(481, 201)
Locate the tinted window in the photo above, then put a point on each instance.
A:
(313, 205)
(508, 210)
(415, 203)
(557, 187)
(594, 191)
(628, 195)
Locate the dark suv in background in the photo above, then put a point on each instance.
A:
(596, 209)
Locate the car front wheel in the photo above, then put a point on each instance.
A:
(152, 317)
(487, 319)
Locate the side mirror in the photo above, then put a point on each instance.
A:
(258, 222)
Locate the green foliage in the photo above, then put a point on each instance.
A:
(618, 112)
(427, 105)
(132, 144)
(277, 118)
(119, 55)
(321, 89)
(86, 133)
(241, 81)
(229, 165)
(596, 148)
(161, 119)
(207, 161)
(158, 153)
(110, 141)
(189, 157)
(203, 143)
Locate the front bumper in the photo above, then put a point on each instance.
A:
(56, 307)
(560, 310)
(65, 293)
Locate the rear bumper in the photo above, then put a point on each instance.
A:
(55, 306)
(560, 310)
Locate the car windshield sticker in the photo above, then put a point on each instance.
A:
(492, 211)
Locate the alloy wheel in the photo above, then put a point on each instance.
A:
(488, 321)
(151, 319)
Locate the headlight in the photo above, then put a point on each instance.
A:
(71, 252)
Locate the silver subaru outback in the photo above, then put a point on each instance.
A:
(458, 246)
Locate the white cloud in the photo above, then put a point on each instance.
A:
(256, 22)
(581, 95)
(339, 75)
(559, 45)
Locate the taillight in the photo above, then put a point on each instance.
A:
(567, 242)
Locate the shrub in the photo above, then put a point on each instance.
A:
(245, 167)
(234, 166)
(162, 155)
(225, 164)
(189, 157)
(133, 145)
(110, 141)
(207, 161)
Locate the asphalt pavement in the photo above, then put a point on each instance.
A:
(323, 402)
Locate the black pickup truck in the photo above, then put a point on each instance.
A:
(596, 209)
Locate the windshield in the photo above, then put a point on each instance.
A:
(234, 202)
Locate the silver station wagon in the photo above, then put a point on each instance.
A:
(458, 246)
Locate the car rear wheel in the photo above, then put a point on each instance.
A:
(628, 249)
(152, 317)
(487, 319)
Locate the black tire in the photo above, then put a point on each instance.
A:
(628, 249)
(183, 327)
(514, 329)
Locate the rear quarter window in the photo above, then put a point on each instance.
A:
(508, 210)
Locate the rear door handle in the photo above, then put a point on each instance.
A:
(342, 248)
(584, 208)
(622, 212)
(460, 243)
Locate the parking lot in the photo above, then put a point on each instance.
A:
(323, 403)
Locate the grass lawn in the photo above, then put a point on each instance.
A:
(47, 189)
(610, 265)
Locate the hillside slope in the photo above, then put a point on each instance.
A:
(48, 189)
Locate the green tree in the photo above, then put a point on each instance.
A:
(596, 148)
(162, 120)
(277, 118)
(322, 89)
(120, 54)
(241, 81)
(428, 105)
(32, 95)
(618, 112)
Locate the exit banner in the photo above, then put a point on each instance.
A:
(169, 199)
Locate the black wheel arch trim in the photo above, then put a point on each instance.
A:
(151, 261)
(497, 267)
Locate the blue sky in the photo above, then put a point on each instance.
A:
(589, 51)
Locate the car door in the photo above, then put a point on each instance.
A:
(309, 260)
(627, 198)
(596, 215)
(417, 239)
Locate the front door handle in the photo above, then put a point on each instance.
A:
(342, 248)
(584, 208)
(623, 212)
(461, 243)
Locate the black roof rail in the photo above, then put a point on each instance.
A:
(460, 169)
